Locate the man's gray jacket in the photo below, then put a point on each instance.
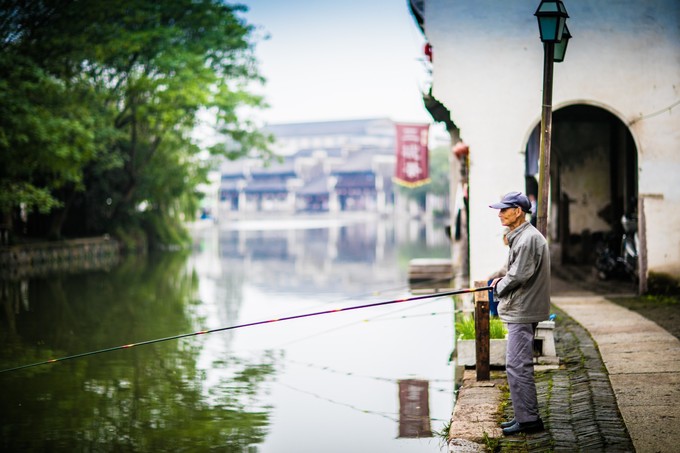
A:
(524, 292)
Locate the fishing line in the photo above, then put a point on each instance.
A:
(329, 369)
(367, 295)
(344, 326)
(250, 324)
(394, 417)
(376, 318)
(374, 293)
(390, 416)
(419, 315)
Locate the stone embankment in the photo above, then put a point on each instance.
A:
(577, 403)
(31, 260)
(616, 389)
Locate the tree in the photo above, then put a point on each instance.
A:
(100, 100)
(45, 136)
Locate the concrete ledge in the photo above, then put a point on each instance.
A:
(467, 354)
(475, 413)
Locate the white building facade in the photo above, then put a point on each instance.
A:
(616, 120)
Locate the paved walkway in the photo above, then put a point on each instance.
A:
(577, 402)
(643, 364)
(617, 390)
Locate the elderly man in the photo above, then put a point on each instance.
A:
(524, 301)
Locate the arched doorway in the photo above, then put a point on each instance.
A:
(594, 176)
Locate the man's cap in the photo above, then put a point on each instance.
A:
(513, 200)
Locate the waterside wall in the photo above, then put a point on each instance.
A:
(30, 260)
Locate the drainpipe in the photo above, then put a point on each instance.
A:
(642, 244)
(460, 248)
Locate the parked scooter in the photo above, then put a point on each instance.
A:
(625, 263)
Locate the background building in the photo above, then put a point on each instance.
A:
(330, 166)
(326, 167)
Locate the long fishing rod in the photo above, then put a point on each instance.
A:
(250, 324)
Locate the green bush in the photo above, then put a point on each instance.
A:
(465, 328)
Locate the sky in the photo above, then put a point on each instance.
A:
(329, 60)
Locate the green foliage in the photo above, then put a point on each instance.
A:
(465, 328)
(132, 239)
(497, 329)
(26, 194)
(47, 134)
(491, 443)
(99, 102)
(443, 434)
(648, 301)
(505, 400)
(167, 230)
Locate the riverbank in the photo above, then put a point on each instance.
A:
(75, 255)
(616, 388)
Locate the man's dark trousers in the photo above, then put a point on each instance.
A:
(519, 366)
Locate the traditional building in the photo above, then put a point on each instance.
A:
(327, 167)
(616, 121)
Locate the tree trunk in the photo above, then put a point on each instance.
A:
(5, 226)
(59, 216)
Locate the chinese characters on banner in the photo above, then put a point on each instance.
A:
(413, 167)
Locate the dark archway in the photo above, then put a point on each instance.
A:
(594, 176)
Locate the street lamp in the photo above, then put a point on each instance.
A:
(561, 47)
(552, 17)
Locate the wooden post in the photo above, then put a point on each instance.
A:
(482, 342)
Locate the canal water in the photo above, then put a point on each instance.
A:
(376, 379)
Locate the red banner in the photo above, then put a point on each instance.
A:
(413, 168)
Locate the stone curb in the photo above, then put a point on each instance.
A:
(576, 399)
(475, 413)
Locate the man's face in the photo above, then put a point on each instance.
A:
(510, 217)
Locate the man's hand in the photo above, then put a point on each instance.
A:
(495, 282)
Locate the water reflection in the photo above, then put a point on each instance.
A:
(149, 398)
(325, 257)
(331, 383)
(338, 384)
(414, 408)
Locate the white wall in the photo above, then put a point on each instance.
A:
(624, 57)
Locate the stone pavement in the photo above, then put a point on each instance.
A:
(616, 390)
(642, 361)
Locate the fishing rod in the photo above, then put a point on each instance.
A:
(250, 324)
(378, 317)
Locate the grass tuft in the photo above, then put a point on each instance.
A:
(465, 328)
